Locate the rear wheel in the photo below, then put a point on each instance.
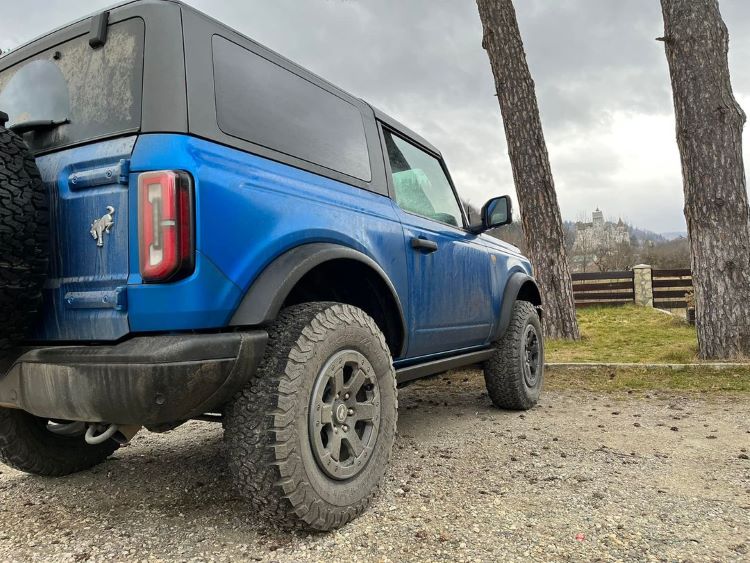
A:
(309, 440)
(49, 448)
(515, 372)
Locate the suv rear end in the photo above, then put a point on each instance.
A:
(124, 268)
(103, 97)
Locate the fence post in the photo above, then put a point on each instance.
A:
(643, 285)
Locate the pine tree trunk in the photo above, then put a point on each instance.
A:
(709, 136)
(540, 212)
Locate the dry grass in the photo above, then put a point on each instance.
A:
(627, 334)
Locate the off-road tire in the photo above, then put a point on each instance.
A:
(27, 445)
(269, 446)
(504, 372)
(24, 236)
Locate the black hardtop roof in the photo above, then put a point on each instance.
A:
(400, 127)
(385, 118)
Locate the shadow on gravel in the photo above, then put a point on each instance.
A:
(182, 476)
(435, 404)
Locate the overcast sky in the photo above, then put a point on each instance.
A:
(601, 78)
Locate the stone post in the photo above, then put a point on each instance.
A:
(644, 291)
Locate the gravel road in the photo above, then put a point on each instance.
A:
(583, 476)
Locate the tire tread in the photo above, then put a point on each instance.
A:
(502, 372)
(24, 239)
(260, 420)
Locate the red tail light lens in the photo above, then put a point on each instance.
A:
(165, 225)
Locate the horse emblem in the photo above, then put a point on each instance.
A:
(101, 226)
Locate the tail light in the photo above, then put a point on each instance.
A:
(165, 225)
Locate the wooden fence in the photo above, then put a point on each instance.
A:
(666, 290)
(603, 289)
(669, 287)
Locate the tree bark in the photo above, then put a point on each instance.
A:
(709, 136)
(540, 212)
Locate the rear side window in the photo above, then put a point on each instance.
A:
(263, 103)
(98, 91)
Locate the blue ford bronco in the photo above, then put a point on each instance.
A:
(194, 227)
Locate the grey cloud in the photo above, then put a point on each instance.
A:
(590, 57)
(422, 61)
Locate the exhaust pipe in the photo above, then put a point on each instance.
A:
(97, 433)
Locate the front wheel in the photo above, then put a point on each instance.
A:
(308, 441)
(515, 372)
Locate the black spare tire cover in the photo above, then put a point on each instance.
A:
(24, 238)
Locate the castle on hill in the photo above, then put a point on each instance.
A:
(599, 233)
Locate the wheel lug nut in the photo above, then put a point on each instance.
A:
(346, 396)
(346, 428)
(350, 412)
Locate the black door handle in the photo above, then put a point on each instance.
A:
(423, 244)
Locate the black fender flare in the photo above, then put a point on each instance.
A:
(265, 297)
(516, 282)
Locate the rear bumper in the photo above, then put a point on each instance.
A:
(149, 380)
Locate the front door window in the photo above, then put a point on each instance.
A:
(420, 183)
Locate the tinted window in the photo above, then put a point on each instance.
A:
(265, 104)
(97, 90)
(420, 183)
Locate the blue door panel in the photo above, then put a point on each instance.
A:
(451, 288)
(85, 295)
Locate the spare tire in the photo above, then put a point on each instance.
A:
(24, 238)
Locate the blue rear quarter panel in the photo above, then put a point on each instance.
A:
(249, 210)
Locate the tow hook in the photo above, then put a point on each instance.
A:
(98, 433)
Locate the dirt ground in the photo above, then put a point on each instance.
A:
(584, 476)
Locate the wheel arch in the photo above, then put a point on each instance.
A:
(520, 287)
(295, 277)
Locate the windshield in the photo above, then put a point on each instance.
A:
(95, 93)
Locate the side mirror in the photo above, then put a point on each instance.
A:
(496, 212)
